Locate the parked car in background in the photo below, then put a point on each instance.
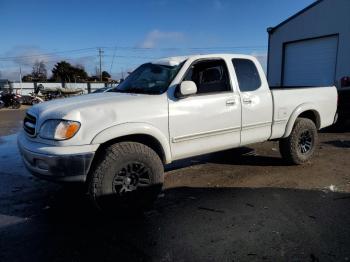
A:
(167, 110)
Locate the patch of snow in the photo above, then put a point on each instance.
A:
(333, 188)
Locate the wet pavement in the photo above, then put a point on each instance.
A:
(239, 205)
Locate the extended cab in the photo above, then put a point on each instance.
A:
(174, 108)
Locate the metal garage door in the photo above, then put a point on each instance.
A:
(310, 62)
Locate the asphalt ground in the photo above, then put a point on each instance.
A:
(239, 205)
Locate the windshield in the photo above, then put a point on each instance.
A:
(148, 79)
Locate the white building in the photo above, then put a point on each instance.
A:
(311, 48)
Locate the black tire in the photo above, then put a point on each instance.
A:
(121, 167)
(16, 105)
(300, 146)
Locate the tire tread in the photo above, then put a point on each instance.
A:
(287, 145)
(119, 151)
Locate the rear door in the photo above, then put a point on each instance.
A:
(256, 101)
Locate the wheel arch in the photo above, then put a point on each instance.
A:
(306, 111)
(135, 132)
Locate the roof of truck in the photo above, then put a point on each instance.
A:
(176, 60)
(171, 61)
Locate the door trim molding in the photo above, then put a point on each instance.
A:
(205, 134)
(263, 124)
(280, 121)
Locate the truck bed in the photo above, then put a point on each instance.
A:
(289, 102)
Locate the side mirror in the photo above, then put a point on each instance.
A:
(186, 88)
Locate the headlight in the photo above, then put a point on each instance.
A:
(59, 129)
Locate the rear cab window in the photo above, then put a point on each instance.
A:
(247, 74)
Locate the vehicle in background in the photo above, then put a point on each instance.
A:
(167, 110)
(344, 101)
(10, 100)
(31, 99)
(2, 104)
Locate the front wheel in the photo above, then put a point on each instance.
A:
(16, 104)
(127, 177)
(300, 146)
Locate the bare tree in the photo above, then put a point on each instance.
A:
(39, 72)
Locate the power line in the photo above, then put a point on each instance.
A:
(190, 48)
(132, 56)
(130, 48)
(47, 54)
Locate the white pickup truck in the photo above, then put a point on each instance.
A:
(174, 108)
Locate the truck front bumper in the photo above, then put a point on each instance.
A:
(61, 164)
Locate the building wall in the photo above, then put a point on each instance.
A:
(326, 18)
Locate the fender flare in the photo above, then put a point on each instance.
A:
(297, 112)
(134, 128)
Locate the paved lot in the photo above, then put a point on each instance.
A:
(239, 205)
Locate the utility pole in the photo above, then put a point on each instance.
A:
(110, 70)
(100, 52)
(20, 77)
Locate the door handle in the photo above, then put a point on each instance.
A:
(247, 100)
(230, 102)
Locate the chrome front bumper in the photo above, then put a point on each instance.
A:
(56, 167)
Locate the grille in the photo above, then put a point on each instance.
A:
(29, 124)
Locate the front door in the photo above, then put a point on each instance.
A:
(209, 120)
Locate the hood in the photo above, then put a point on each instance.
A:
(97, 112)
(75, 108)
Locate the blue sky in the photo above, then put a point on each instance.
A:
(132, 32)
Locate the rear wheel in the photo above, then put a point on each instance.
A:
(16, 104)
(127, 178)
(300, 146)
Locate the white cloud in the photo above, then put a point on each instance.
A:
(27, 55)
(23, 56)
(12, 74)
(155, 37)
